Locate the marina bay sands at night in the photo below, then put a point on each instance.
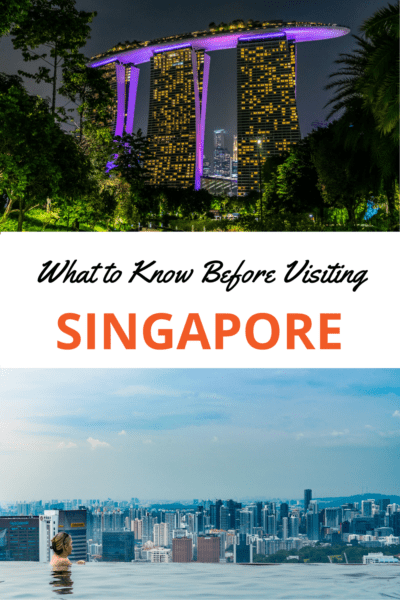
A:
(267, 119)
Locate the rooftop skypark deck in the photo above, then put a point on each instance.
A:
(141, 52)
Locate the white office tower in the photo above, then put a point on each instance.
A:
(161, 534)
(48, 528)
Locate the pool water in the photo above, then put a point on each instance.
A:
(145, 581)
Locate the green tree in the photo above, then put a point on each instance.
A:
(59, 28)
(366, 89)
(37, 159)
(380, 85)
(11, 13)
(87, 89)
(297, 182)
(343, 175)
(130, 155)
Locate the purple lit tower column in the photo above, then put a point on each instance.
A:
(120, 76)
(133, 86)
(200, 109)
(120, 121)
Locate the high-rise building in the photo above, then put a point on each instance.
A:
(182, 549)
(246, 521)
(272, 525)
(219, 138)
(222, 163)
(284, 510)
(161, 534)
(225, 518)
(19, 538)
(176, 105)
(147, 528)
(118, 546)
(333, 517)
(313, 521)
(73, 522)
(207, 170)
(48, 528)
(235, 148)
(234, 160)
(242, 552)
(222, 156)
(267, 121)
(136, 527)
(285, 528)
(221, 534)
(307, 498)
(208, 549)
(294, 523)
(383, 503)
(199, 522)
(179, 79)
(233, 507)
(366, 507)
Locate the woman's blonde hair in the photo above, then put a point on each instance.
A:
(59, 541)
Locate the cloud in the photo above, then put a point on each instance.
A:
(97, 443)
(145, 390)
(123, 432)
(67, 445)
(215, 439)
(396, 413)
(299, 436)
(147, 441)
(337, 433)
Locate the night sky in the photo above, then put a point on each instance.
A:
(120, 20)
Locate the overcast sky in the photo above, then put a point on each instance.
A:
(120, 20)
(183, 434)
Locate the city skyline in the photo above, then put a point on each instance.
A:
(198, 433)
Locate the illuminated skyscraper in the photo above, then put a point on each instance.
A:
(266, 104)
(178, 94)
(176, 114)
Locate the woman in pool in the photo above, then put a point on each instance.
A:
(61, 544)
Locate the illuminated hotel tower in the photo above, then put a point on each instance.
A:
(266, 105)
(177, 116)
(267, 115)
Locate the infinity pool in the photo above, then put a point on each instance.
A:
(144, 581)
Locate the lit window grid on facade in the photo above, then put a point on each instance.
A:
(266, 105)
(172, 116)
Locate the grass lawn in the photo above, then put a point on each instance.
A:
(41, 220)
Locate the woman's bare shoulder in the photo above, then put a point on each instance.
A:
(59, 560)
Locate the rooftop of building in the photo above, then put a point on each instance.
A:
(219, 37)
